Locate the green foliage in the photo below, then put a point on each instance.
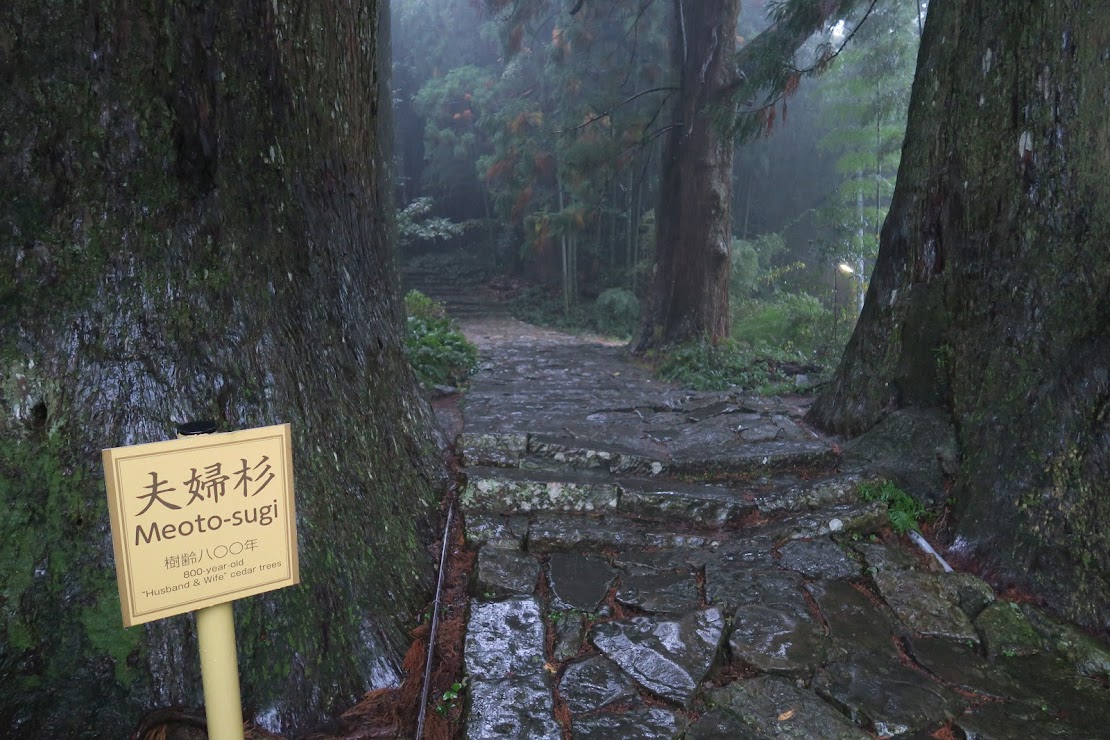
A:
(449, 699)
(616, 312)
(415, 224)
(701, 366)
(904, 511)
(791, 320)
(542, 307)
(439, 353)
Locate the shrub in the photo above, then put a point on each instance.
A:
(437, 350)
(789, 319)
(616, 312)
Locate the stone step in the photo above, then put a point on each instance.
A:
(541, 451)
(595, 490)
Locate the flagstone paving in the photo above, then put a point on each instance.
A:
(658, 563)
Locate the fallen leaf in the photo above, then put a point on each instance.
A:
(787, 715)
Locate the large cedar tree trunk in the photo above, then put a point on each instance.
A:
(693, 236)
(195, 223)
(991, 293)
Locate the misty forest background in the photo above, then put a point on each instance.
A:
(529, 149)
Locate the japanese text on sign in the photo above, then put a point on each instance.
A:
(201, 520)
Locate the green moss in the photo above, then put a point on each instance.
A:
(106, 634)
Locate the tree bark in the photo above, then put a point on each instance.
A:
(195, 223)
(991, 293)
(693, 238)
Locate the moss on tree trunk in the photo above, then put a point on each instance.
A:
(195, 223)
(991, 293)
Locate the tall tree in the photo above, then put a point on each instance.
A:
(990, 298)
(194, 223)
(693, 236)
(689, 294)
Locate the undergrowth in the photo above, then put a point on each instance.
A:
(614, 314)
(905, 512)
(437, 350)
(761, 368)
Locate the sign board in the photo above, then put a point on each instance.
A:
(201, 520)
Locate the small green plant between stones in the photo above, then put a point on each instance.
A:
(449, 700)
(904, 511)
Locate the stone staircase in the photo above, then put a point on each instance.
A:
(656, 563)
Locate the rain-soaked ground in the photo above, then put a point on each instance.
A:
(657, 563)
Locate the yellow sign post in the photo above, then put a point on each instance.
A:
(196, 523)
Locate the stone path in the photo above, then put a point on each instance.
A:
(656, 563)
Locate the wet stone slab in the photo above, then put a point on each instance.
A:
(809, 495)
(570, 630)
(669, 657)
(775, 641)
(518, 708)
(594, 683)
(554, 533)
(527, 491)
(501, 573)
(973, 594)
(1006, 631)
(1052, 685)
(718, 724)
(1012, 721)
(710, 505)
(660, 593)
(925, 604)
(495, 530)
(819, 558)
(962, 667)
(853, 619)
(578, 581)
(861, 518)
(638, 724)
(886, 696)
(729, 588)
(504, 638)
(774, 707)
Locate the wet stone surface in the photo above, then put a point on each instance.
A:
(774, 707)
(1006, 631)
(645, 503)
(767, 586)
(887, 696)
(775, 641)
(660, 593)
(819, 558)
(504, 638)
(638, 724)
(520, 708)
(578, 581)
(669, 658)
(502, 532)
(594, 683)
(854, 620)
(924, 604)
(504, 573)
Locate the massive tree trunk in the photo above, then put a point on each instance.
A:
(195, 223)
(693, 236)
(991, 293)
(688, 298)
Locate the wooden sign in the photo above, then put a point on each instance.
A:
(201, 520)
